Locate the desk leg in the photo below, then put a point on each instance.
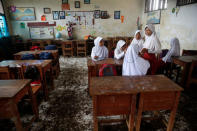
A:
(139, 114)
(16, 117)
(173, 112)
(45, 90)
(132, 114)
(184, 74)
(33, 101)
(95, 113)
(51, 77)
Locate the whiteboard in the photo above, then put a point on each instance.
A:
(41, 33)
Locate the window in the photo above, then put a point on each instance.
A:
(3, 25)
(153, 5)
(185, 2)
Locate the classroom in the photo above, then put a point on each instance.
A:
(98, 65)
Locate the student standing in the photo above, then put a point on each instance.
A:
(151, 47)
(133, 64)
(138, 40)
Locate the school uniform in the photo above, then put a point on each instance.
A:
(100, 51)
(118, 53)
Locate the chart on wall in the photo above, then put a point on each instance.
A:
(41, 33)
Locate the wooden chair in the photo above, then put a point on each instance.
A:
(81, 48)
(192, 77)
(35, 89)
(5, 73)
(189, 52)
(67, 48)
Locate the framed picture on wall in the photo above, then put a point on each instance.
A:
(116, 14)
(86, 1)
(24, 14)
(47, 10)
(64, 1)
(77, 4)
(62, 14)
(97, 14)
(55, 15)
(154, 17)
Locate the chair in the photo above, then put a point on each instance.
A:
(22, 70)
(67, 48)
(81, 48)
(5, 73)
(189, 52)
(192, 77)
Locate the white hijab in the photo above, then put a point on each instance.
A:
(152, 42)
(140, 42)
(100, 51)
(174, 50)
(120, 44)
(133, 64)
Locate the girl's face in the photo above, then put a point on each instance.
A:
(101, 43)
(123, 47)
(138, 36)
(148, 32)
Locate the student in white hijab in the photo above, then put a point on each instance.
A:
(120, 49)
(138, 40)
(133, 64)
(99, 51)
(174, 50)
(152, 43)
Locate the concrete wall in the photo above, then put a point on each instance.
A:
(182, 26)
(130, 9)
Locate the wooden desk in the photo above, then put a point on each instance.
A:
(11, 92)
(113, 96)
(42, 65)
(116, 95)
(54, 53)
(185, 62)
(94, 66)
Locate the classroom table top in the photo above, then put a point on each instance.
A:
(186, 59)
(9, 88)
(112, 61)
(17, 63)
(35, 52)
(131, 84)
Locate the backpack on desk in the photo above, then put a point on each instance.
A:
(107, 70)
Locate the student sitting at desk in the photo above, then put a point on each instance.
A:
(99, 51)
(138, 40)
(133, 64)
(120, 49)
(151, 47)
(174, 50)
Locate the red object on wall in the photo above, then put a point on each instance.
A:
(43, 18)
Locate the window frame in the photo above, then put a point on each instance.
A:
(153, 10)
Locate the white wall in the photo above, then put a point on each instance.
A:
(182, 26)
(130, 9)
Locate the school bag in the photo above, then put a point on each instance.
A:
(50, 47)
(45, 55)
(33, 48)
(107, 70)
(28, 57)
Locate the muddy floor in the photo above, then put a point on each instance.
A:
(69, 107)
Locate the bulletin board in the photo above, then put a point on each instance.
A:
(41, 32)
(80, 18)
